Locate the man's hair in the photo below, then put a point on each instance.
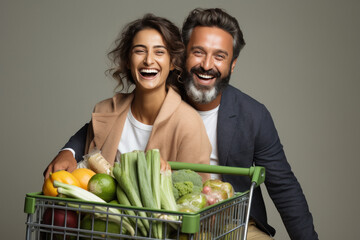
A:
(214, 17)
(120, 55)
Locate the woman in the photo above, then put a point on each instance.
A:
(148, 54)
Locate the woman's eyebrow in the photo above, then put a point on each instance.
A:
(160, 46)
(143, 46)
(138, 45)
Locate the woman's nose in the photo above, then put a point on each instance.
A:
(149, 59)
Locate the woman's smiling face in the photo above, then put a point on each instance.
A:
(150, 61)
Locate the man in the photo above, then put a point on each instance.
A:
(240, 129)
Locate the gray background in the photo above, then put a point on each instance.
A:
(301, 60)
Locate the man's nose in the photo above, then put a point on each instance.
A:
(207, 63)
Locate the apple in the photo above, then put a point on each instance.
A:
(56, 217)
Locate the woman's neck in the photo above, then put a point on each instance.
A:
(146, 105)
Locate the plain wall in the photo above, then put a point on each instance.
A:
(302, 60)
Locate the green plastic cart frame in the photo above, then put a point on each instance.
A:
(225, 220)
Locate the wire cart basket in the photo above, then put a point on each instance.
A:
(225, 220)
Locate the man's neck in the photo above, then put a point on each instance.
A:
(206, 106)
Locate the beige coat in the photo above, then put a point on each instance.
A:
(178, 131)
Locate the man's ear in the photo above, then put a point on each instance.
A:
(233, 65)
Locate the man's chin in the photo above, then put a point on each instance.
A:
(203, 88)
(201, 94)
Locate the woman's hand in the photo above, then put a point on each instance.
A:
(63, 161)
(164, 165)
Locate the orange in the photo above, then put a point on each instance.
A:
(103, 185)
(61, 176)
(83, 175)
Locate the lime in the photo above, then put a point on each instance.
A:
(100, 225)
(103, 185)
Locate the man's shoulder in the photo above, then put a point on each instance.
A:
(235, 97)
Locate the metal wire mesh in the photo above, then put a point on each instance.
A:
(222, 221)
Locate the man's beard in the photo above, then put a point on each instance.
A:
(204, 94)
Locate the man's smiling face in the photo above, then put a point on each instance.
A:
(209, 63)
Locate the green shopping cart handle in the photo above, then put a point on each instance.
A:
(256, 173)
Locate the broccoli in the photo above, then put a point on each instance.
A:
(176, 193)
(186, 181)
(184, 188)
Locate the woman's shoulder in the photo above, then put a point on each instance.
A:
(187, 114)
(112, 104)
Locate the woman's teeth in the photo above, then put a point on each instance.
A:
(148, 72)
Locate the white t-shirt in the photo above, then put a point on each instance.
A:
(135, 135)
(210, 121)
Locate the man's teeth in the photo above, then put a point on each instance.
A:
(205, 76)
(150, 71)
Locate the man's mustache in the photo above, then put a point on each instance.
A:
(200, 70)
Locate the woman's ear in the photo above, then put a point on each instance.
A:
(172, 66)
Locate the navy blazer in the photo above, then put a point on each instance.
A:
(246, 136)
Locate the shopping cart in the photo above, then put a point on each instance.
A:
(225, 220)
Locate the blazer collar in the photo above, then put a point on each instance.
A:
(170, 104)
(226, 124)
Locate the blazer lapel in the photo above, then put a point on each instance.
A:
(225, 126)
(170, 104)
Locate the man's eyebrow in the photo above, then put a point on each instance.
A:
(216, 50)
(197, 47)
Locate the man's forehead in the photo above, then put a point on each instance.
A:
(211, 38)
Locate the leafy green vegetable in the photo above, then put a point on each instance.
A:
(184, 187)
(195, 201)
(122, 174)
(123, 199)
(166, 191)
(145, 188)
(186, 181)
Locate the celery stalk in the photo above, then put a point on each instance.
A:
(122, 198)
(155, 184)
(166, 191)
(123, 179)
(145, 188)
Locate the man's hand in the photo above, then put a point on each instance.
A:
(63, 161)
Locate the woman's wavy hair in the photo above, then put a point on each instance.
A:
(120, 55)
